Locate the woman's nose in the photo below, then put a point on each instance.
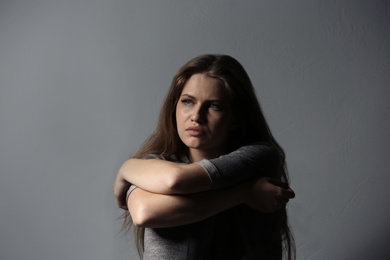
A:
(198, 115)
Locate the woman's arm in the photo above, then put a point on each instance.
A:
(159, 176)
(158, 210)
(165, 177)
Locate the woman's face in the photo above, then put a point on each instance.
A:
(204, 117)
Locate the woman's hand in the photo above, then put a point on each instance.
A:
(120, 188)
(267, 195)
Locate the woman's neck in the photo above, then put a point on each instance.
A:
(195, 155)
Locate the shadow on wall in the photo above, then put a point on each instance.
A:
(374, 247)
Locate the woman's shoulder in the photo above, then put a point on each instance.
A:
(153, 156)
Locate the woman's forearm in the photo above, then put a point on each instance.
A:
(165, 177)
(157, 210)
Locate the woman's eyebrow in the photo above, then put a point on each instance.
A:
(188, 95)
(208, 100)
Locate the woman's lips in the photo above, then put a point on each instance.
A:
(195, 131)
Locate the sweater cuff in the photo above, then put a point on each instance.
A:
(132, 187)
(212, 172)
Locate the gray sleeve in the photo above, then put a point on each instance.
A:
(256, 160)
(132, 187)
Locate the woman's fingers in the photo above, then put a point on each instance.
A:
(120, 188)
(288, 193)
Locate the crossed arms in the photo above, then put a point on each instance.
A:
(171, 194)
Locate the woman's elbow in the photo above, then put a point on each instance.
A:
(139, 207)
(186, 179)
(140, 214)
(174, 183)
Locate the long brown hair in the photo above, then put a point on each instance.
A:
(251, 124)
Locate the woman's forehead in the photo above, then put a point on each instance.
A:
(203, 86)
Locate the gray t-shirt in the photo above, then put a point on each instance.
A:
(237, 233)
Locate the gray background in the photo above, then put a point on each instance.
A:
(82, 81)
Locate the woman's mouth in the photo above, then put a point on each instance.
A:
(195, 131)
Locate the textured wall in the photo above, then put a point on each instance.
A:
(81, 84)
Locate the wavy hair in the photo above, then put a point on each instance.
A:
(251, 126)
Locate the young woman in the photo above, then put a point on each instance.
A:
(211, 181)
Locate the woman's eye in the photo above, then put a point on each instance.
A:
(187, 102)
(215, 106)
